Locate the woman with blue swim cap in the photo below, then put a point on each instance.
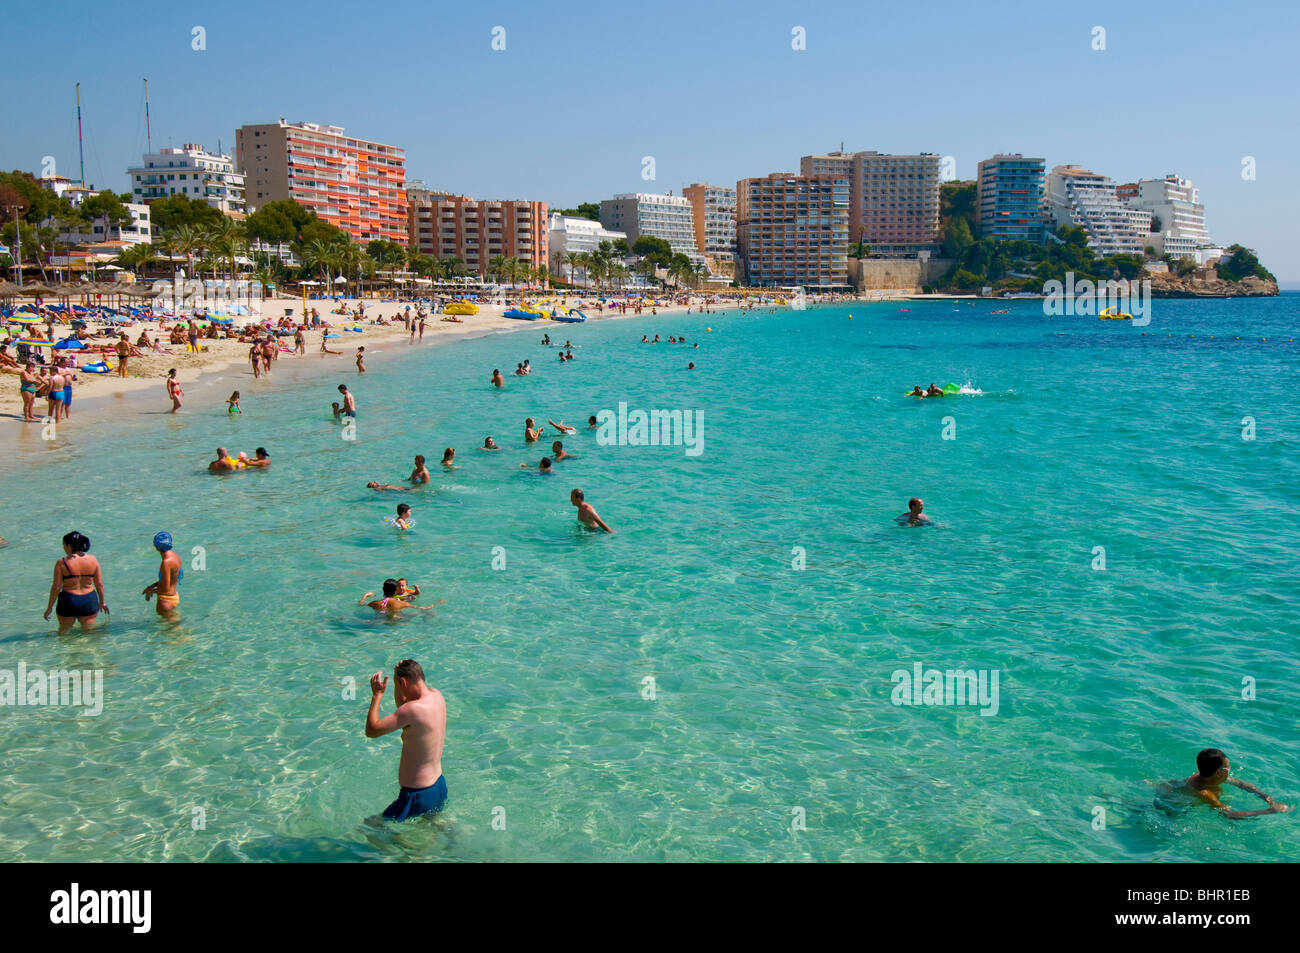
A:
(170, 574)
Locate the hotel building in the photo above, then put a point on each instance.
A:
(713, 216)
(1009, 198)
(1177, 204)
(1078, 197)
(191, 171)
(661, 216)
(893, 200)
(477, 230)
(580, 236)
(356, 185)
(793, 230)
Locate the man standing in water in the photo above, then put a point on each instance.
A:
(587, 514)
(1211, 774)
(422, 715)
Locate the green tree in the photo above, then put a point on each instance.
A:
(176, 210)
(658, 249)
(1240, 262)
(957, 238)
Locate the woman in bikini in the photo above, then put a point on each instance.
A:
(78, 586)
(174, 390)
(170, 573)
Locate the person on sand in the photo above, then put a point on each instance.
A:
(174, 390)
(123, 348)
(77, 593)
(587, 514)
(349, 402)
(1205, 786)
(489, 444)
(531, 431)
(497, 379)
(224, 462)
(170, 574)
(422, 715)
(29, 383)
(300, 342)
(421, 472)
(557, 452)
(325, 350)
(914, 516)
(361, 359)
(562, 427)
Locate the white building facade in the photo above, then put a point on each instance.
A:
(1078, 197)
(661, 216)
(1177, 204)
(578, 236)
(192, 171)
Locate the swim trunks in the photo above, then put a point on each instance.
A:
(72, 605)
(56, 396)
(350, 413)
(412, 802)
(67, 395)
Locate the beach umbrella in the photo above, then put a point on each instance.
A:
(70, 344)
(340, 280)
(34, 342)
(17, 320)
(328, 336)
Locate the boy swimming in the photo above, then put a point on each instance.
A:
(1205, 785)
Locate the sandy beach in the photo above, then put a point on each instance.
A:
(230, 357)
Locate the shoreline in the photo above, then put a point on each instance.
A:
(109, 401)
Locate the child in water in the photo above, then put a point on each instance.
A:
(232, 404)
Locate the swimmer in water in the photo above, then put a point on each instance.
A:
(519, 370)
(224, 462)
(403, 519)
(338, 411)
(557, 452)
(170, 574)
(531, 431)
(391, 604)
(497, 379)
(592, 423)
(421, 473)
(587, 514)
(562, 427)
(916, 392)
(1205, 786)
(448, 456)
(914, 516)
(349, 402)
(528, 368)
(260, 458)
(490, 444)
(543, 467)
(372, 485)
(934, 391)
(690, 366)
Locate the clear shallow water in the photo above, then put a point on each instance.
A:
(773, 686)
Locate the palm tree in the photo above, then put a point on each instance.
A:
(572, 259)
(496, 267)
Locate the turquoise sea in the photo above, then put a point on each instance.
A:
(679, 691)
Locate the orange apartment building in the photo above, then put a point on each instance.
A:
(354, 184)
(477, 230)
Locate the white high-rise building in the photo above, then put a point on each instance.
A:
(1177, 204)
(662, 216)
(193, 172)
(1077, 197)
(578, 235)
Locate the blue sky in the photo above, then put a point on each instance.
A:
(714, 92)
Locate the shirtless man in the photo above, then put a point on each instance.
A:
(914, 516)
(562, 427)
(54, 395)
(497, 379)
(421, 473)
(222, 464)
(519, 370)
(557, 452)
(531, 431)
(1211, 774)
(422, 715)
(349, 402)
(260, 459)
(587, 514)
(933, 391)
